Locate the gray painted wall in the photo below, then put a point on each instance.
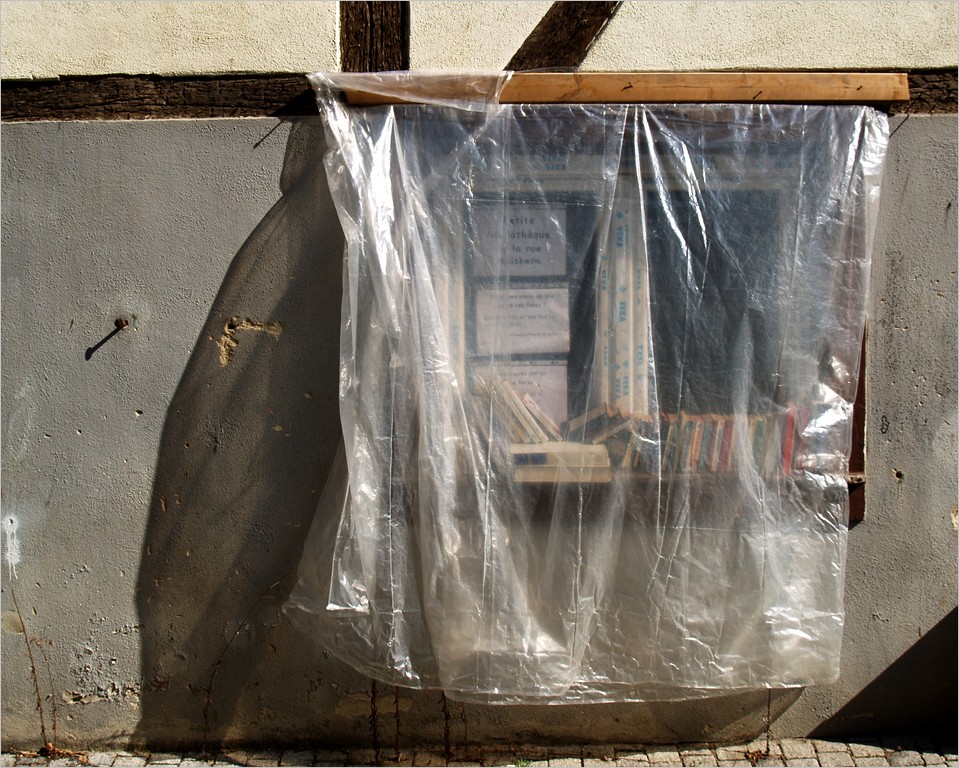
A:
(156, 495)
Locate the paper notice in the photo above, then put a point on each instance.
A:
(514, 240)
(512, 321)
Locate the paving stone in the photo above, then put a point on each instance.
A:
(933, 758)
(565, 762)
(771, 760)
(898, 743)
(905, 757)
(797, 748)
(760, 745)
(628, 762)
(164, 758)
(429, 758)
(262, 759)
(735, 763)
(100, 758)
(191, 762)
(664, 756)
(871, 760)
(31, 760)
(500, 759)
(732, 753)
(799, 762)
(829, 746)
(866, 749)
(836, 759)
(6, 761)
(297, 757)
(594, 762)
(694, 760)
(330, 757)
(65, 762)
(353, 757)
(634, 756)
(601, 752)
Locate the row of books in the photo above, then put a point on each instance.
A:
(588, 446)
(681, 443)
(525, 421)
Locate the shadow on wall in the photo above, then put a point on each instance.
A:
(916, 694)
(249, 436)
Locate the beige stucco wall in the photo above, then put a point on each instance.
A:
(778, 35)
(47, 39)
(687, 34)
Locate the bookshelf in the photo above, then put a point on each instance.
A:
(628, 325)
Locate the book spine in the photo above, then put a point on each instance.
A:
(726, 461)
(688, 431)
(789, 441)
(602, 381)
(622, 346)
(705, 451)
(640, 304)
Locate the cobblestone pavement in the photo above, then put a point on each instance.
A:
(785, 752)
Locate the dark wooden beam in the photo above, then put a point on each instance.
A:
(931, 92)
(131, 97)
(374, 36)
(563, 36)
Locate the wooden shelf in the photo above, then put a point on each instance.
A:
(685, 87)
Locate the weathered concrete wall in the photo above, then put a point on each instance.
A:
(156, 495)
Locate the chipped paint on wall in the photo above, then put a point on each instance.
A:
(228, 339)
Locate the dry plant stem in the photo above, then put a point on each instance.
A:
(219, 662)
(374, 722)
(396, 722)
(447, 730)
(33, 668)
(53, 698)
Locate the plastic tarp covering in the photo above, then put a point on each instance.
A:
(597, 372)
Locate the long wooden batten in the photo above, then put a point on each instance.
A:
(688, 87)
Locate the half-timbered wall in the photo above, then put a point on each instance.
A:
(186, 450)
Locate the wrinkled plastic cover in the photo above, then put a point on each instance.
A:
(597, 373)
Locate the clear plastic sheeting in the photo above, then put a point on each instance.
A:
(597, 373)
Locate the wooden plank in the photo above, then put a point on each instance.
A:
(374, 36)
(563, 36)
(693, 87)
